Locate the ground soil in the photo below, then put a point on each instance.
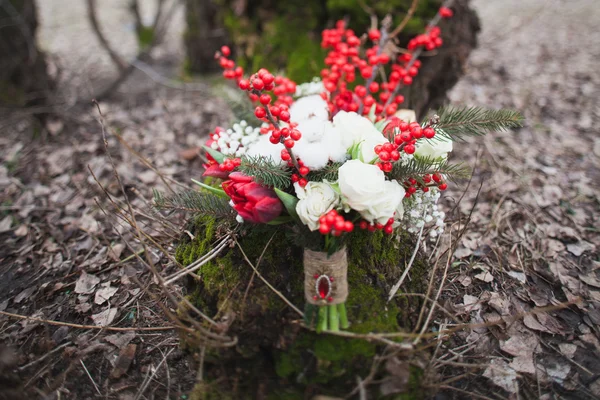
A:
(532, 241)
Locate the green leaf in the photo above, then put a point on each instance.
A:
(218, 156)
(372, 113)
(289, 202)
(280, 220)
(214, 190)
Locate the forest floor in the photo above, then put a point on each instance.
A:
(532, 243)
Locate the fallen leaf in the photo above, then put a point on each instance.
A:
(115, 251)
(580, 247)
(22, 231)
(518, 276)
(120, 340)
(502, 375)
(24, 294)
(123, 361)
(104, 293)
(568, 349)
(471, 303)
(462, 252)
(485, 277)
(105, 317)
(465, 280)
(5, 224)
(83, 307)
(523, 364)
(86, 283)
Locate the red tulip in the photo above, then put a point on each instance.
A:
(254, 203)
(215, 171)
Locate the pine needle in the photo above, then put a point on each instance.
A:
(417, 167)
(456, 123)
(266, 172)
(195, 202)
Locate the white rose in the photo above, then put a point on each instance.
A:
(406, 115)
(315, 199)
(434, 148)
(354, 128)
(367, 147)
(364, 189)
(309, 107)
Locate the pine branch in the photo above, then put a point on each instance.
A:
(266, 172)
(329, 172)
(417, 167)
(455, 123)
(195, 202)
(238, 102)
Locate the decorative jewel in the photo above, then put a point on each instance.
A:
(323, 286)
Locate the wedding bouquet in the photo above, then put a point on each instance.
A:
(337, 155)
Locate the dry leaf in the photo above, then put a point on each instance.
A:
(123, 361)
(580, 247)
(105, 317)
(5, 224)
(484, 276)
(104, 293)
(502, 375)
(86, 283)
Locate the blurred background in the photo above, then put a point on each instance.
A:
(149, 64)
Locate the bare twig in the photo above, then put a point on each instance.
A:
(407, 269)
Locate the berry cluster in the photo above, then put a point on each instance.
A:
(229, 164)
(230, 71)
(387, 228)
(303, 170)
(428, 180)
(430, 40)
(334, 223)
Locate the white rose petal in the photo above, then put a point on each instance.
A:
(315, 199)
(364, 189)
(354, 128)
(435, 148)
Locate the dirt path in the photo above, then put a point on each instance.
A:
(532, 243)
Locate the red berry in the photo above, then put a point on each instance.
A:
(303, 170)
(244, 84)
(324, 229)
(340, 225)
(384, 156)
(360, 91)
(267, 78)
(409, 149)
(375, 35)
(302, 182)
(363, 224)
(395, 155)
(445, 12)
(387, 167)
(226, 51)
(295, 178)
(275, 111)
(265, 99)
(399, 99)
(417, 132)
(437, 177)
(260, 112)
(407, 80)
(295, 134)
(388, 229)
(285, 156)
(289, 143)
(258, 84)
(443, 186)
(348, 226)
(284, 116)
(374, 87)
(429, 133)
(273, 139)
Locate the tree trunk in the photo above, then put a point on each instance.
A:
(286, 35)
(275, 357)
(24, 79)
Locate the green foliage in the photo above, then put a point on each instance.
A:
(204, 203)
(329, 173)
(456, 123)
(266, 172)
(417, 167)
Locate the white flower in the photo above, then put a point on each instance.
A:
(435, 148)
(309, 107)
(263, 147)
(315, 199)
(320, 142)
(364, 189)
(354, 128)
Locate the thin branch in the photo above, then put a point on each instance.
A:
(92, 17)
(410, 263)
(407, 17)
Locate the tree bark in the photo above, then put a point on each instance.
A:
(24, 79)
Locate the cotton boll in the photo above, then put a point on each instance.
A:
(263, 147)
(309, 107)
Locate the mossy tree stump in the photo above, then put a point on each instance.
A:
(277, 358)
(286, 35)
(24, 79)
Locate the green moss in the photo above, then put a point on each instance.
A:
(278, 356)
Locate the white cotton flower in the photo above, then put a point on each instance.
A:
(263, 147)
(315, 199)
(320, 142)
(364, 189)
(357, 130)
(309, 108)
(437, 148)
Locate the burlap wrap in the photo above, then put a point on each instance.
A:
(316, 263)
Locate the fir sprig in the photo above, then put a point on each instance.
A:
(195, 202)
(455, 123)
(329, 173)
(419, 166)
(266, 172)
